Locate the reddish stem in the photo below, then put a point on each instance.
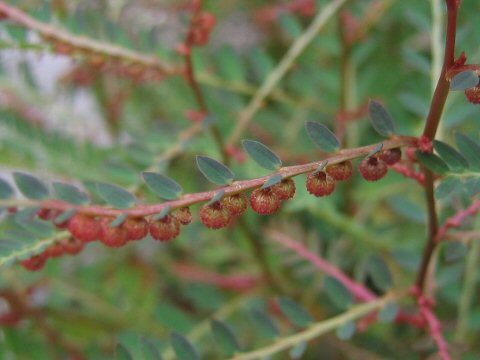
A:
(457, 219)
(435, 331)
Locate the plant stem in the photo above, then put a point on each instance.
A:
(433, 119)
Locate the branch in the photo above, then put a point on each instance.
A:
(57, 35)
(457, 219)
(235, 187)
(435, 330)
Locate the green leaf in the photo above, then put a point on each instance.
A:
(164, 212)
(469, 149)
(115, 195)
(262, 155)
(447, 186)
(452, 157)
(140, 154)
(6, 191)
(264, 323)
(381, 120)
(119, 220)
(322, 136)
(224, 337)
(66, 215)
(298, 350)
(379, 273)
(37, 227)
(69, 194)
(30, 186)
(346, 331)
(149, 350)
(217, 197)
(296, 313)
(163, 186)
(272, 180)
(454, 251)
(214, 170)
(472, 184)
(337, 293)
(464, 80)
(121, 353)
(388, 313)
(433, 162)
(183, 348)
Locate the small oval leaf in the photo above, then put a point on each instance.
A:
(388, 313)
(164, 212)
(66, 215)
(296, 313)
(30, 186)
(38, 228)
(115, 195)
(69, 194)
(464, 80)
(214, 170)
(379, 273)
(346, 331)
(121, 353)
(217, 197)
(381, 120)
(265, 324)
(272, 180)
(6, 191)
(452, 157)
(322, 136)
(149, 350)
(119, 220)
(183, 348)
(469, 149)
(298, 350)
(337, 293)
(433, 162)
(262, 155)
(225, 337)
(163, 186)
(447, 186)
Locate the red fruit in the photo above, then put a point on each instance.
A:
(84, 228)
(372, 168)
(34, 263)
(183, 215)
(55, 250)
(216, 215)
(284, 189)
(112, 236)
(165, 229)
(320, 184)
(236, 204)
(473, 94)
(136, 228)
(46, 214)
(72, 246)
(264, 201)
(341, 171)
(390, 156)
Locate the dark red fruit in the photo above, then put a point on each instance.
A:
(34, 263)
(284, 189)
(264, 201)
(320, 184)
(183, 215)
(236, 204)
(136, 228)
(72, 246)
(372, 168)
(55, 250)
(164, 229)
(46, 214)
(112, 236)
(390, 156)
(341, 171)
(473, 94)
(84, 228)
(215, 216)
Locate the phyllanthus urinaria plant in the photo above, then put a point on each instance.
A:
(42, 222)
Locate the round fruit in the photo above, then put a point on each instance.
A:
(136, 228)
(264, 201)
(84, 228)
(164, 229)
(341, 171)
(390, 156)
(112, 236)
(320, 184)
(372, 168)
(215, 216)
(473, 94)
(183, 215)
(35, 263)
(236, 204)
(284, 189)
(72, 246)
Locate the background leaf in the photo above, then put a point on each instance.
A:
(149, 350)
(381, 120)
(116, 196)
(322, 136)
(464, 80)
(294, 312)
(183, 348)
(70, 194)
(30, 186)
(262, 155)
(214, 170)
(6, 191)
(469, 149)
(121, 353)
(452, 157)
(264, 323)
(163, 186)
(225, 337)
(433, 162)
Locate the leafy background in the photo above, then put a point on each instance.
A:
(114, 128)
